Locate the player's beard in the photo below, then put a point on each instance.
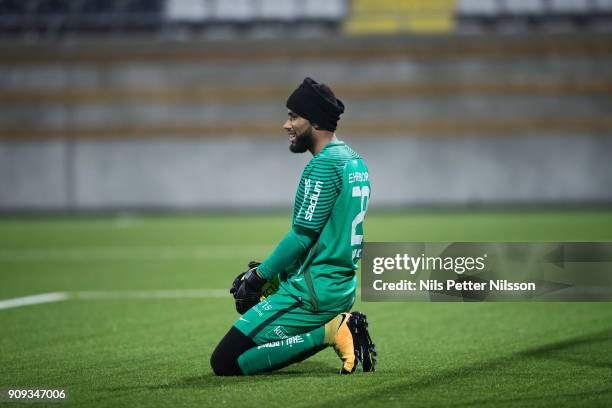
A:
(303, 142)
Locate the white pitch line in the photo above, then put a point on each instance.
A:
(33, 300)
(154, 294)
(115, 295)
(160, 253)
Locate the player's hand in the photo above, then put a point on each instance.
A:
(247, 288)
(238, 280)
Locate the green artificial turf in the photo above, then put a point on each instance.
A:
(154, 352)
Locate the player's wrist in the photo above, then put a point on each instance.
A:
(254, 280)
(263, 272)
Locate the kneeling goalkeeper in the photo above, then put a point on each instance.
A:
(314, 264)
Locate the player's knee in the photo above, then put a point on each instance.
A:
(222, 364)
(224, 360)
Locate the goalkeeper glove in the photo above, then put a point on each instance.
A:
(247, 288)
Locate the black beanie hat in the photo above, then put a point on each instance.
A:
(309, 101)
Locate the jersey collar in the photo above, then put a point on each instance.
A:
(332, 144)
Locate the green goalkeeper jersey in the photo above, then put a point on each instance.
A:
(331, 202)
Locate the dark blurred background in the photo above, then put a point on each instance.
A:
(178, 104)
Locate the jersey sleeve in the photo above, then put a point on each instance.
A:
(295, 245)
(318, 195)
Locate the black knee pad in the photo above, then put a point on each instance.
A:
(224, 360)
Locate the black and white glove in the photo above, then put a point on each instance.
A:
(238, 280)
(246, 288)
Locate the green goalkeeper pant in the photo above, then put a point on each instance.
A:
(283, 331)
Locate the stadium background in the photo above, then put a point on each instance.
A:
(143, 163)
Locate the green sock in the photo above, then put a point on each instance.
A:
(279, 354)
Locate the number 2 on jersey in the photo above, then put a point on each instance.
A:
(362, 192)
